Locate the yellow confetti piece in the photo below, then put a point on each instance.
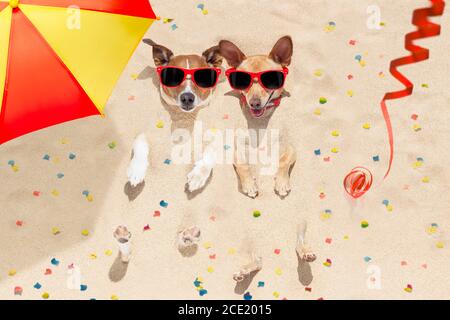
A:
(389, 207)
(362, 63)
(318, 73)
(417, 164)
(114, 297)
(45, 295)
(317, 112)
(207, 245)
(276, 294)
(417, 127)
(134, 76)
(210, 269)
(15, 168)
(12, 272)
(366, 126)
(346, 237)
(93, 256)
(85, 232)
(64, 141)
(431, 230)
(335, 150)
(335, 133)
(108, 252)
(325, 216)
(55, 231)
(425, 180)
(200, 279)
(350, 93)
(55, 192)
(440, 245)
(278, 271)
(231, 251)
(407, 289)
(205, 12)
(90, 198)
(56, 160)
(160, 124)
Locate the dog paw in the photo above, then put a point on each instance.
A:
(198, 176)
(282, 185)
(136, 171)
(250, 188)
(306, 254)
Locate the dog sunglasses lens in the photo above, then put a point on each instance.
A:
(272, 80)
(205, 78)
(240, 80)
(172, 77)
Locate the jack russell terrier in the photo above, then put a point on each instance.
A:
(186, 85)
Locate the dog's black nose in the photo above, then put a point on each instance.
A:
(255, 103)
(187, 99)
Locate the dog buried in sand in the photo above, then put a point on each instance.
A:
(259, 80)
(187, 83)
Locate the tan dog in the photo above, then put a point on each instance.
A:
(258, 104)
(185, 100)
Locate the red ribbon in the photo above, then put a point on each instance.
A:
(425, 29)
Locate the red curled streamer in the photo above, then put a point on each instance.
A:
(425, 29)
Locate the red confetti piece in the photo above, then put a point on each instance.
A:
(212, 256)
(36, 193)
(277, 251)
(19, 223)
(157, 213)
(147, 228)
(48, 271)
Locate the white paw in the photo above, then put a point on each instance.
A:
(198, 176)
(282, 185)
(305, 253)
(250, 188)
(136, 171)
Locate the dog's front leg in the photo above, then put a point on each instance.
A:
(304, 251)
(138, 166)
(244, 172)
(202, 170)
(287, 159)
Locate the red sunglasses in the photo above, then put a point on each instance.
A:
(269, 79)
(202, 77)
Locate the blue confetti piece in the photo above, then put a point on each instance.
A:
(328, 211)
(261, 284)
(420, 159)
(376, 158)
(385, 202)
(167, 161)
(248, 296)
(174, 27)
(367, 259)
(46, 157)
(163, 204)
(201, 6)
(54, 262)
(60, 175)
(434, 225)
(332, 23)
(358, 57)
(37, 285)
(202, 292)
(11, 163)
(197, 283)
(72, 156)
(227, 147)
(83, 287)
(85, 193)
(317, 152)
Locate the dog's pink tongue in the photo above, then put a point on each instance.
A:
(257, 113)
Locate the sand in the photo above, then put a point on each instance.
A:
(395, 247)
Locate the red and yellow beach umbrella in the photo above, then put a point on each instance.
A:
(60, 59)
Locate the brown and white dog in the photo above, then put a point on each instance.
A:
(184, 100)
(258, 105)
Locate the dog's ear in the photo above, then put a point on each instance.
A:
(161, 55)
(282, 51)
(213, 57)
(231, 53)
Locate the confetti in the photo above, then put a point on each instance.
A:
(256, 214)
(366, 126)
(160, 124)
(260, 284)
(112, 145)
(12, 272)
(325, 215)
(72, 156)
(323, 100)
(327, 263)
(248, 296)
(409, 288)
(85, 232)
(277, 251)
(210, 269)
(364, 224)
(163, 204)
(54, 262)
(55, 231)
(317, 152)
(45, 295)
(83, 287)
(37, 285)
(18, 291)
(278, 271)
